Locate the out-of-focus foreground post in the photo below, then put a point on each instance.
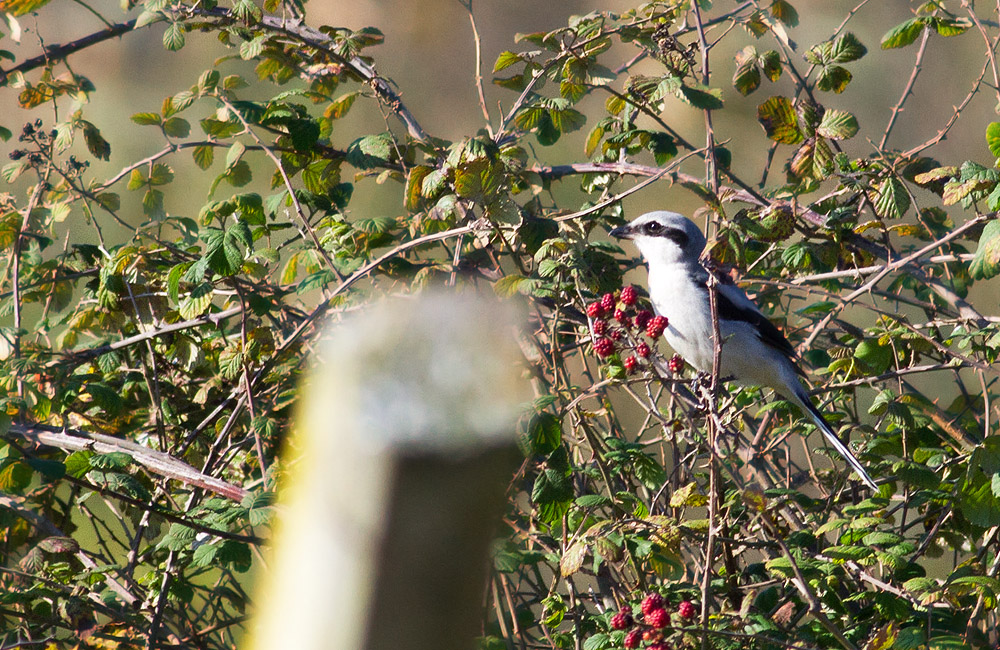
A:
(398, 469)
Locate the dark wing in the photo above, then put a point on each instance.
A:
(733, 305)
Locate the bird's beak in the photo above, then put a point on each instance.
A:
(622, 232)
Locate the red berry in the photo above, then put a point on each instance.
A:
(608, 302)
(600, 326)
(619, 315)
(657, 617)
(628, 296)
(616, 335)
(642, 319)
(632, 639)
(643, 350)
(604, 347)
(654, 329)
(676, 364)
(594, 310)
(650, 602)
(686, 609)
(631, 363)
(622, 620)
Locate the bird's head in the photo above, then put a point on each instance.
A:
(664, 237)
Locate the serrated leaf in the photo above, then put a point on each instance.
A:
(235, 154)
(146, 118)
(846, 48)
(785, 12)
(891, 200)
(339, 107)
(177, 127)
(78, 463)
(747, 77)
(702, 97)
(837, 125)
(505, 60)
(833, 78)
(370, 151)
(779, 120)
(572, 559)
(414, 186)
(197, 302)
(204, 155)
(986, 261)
(15, 477)
(508, 285)
(946, 26)
(173, 37)
(903, 34)
(21, 7)
(993, 138)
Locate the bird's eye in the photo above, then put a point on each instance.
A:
(653, 227)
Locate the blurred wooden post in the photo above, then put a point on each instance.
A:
(399, 466)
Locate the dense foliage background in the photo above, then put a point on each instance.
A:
(151, 349)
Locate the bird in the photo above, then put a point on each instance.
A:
(754, 351)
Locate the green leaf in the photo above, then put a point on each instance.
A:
(993, 138)
(78, 463)
(986, 262)
(173, 37)
(147, 118)
(15, 477)
(111, 461)
(785, 12)
(545, 433)
(837, 125)
(779, 120)
(891, 201)
(339, 107)
(746, 79)
(197, 302)
(947, 26)
(204, 155)
(979, 505)
(505, 60)
(877, 357)
(846, 48)
(370, 151)
(177, 127)
(702, 97)
(833, 77)
(903, 34)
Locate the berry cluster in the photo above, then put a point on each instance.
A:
(654, 618)
(617, 323)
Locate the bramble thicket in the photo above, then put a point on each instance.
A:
(151, 352)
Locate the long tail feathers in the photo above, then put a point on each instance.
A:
(834, 441)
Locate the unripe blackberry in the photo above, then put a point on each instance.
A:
(657, 617)
(616, 335)
(608, 302)
(628, 296)
(642, 319)
(654, 329)
(594, 310)
(631, 363)
(604, 347)
(650, 602)
(600, 326)
(643, 350)
(632, 639)
(686, 609)
(676, 364)
(620, 315)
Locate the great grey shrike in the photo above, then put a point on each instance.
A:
(754, 352)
